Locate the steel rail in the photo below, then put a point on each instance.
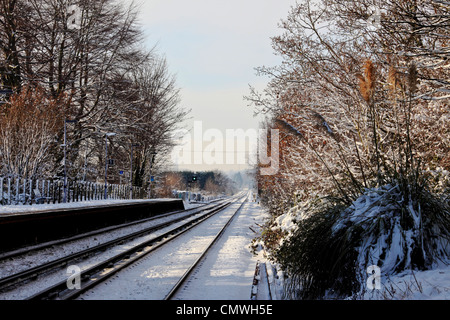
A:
(31, 248)
(188, 272)
(32, 273)
(102, 271)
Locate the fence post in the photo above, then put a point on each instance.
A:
(17, 190)
(9, 191)
(59, 191)
(24, 191)
(24, 185)
(47, 194)
(54, 191)
(31, 190)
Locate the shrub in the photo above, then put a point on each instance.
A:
(328, 255)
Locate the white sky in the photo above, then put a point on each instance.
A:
(213, 46)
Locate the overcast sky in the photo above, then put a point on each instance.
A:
(213, 46)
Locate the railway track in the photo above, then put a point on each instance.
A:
(186, 276)
(14, 280)
(33, 248)
(100, 272)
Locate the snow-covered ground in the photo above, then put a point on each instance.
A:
(17, 264)
(226, 273)
(414, 285)
(433, 284)
(44, 207)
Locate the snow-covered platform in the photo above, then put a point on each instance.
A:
(22, 225)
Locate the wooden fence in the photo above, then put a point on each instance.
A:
(14, 191)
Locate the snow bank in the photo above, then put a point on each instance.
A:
(413, 285)
(44, 207)
(288, 222)
(386, 230)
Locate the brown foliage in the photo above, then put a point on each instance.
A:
(29, 124)
(168, 182)
(367, 81)
(368, 103)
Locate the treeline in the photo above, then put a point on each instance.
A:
(82, 65)
(210, 182)
(361, 102)
(361, 99)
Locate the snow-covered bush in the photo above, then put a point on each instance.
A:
(330, 250)
(29, 125)
(363, 118)
(439, 180)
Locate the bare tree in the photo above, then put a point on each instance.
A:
(361, 102)
(28, 127)
(91, 52)
(360, 97)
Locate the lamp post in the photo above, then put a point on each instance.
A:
(131, 170)
(152, 159)
(66, 121)
(110, 134)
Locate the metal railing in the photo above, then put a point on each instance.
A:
(15, 191)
